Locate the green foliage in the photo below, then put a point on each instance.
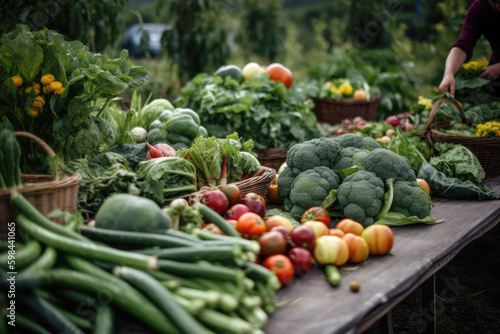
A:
(386, 164)
(198, 40)
(96, 24)
(313, 153)
(262, 31)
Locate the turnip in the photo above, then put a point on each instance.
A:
(139, 133)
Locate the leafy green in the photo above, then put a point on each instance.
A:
(450, 187)
(105, 174)
(164, 179)
(457, 161)
(281, 117)
(399, 219)
(134, 153)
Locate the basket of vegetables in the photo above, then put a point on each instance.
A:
(339, 100)
(483, 140)
(45, 192)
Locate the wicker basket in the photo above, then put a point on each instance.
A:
(271, 157)
(45, 193)
(334, 111)
(258, 184)
(486, 149)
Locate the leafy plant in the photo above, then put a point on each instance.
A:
(262, 110)
(52, 88)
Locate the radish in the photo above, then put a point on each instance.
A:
(215, 200)
(159, 150)
(392, 120)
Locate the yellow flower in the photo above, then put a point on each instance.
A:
(34, 112)
(345, 88)
(59, 91)
(45, 89)
(334, 89)
(38, 102)
(28, 89)
(425, 102)
(37, 89)
(488, 129)
(47, 79)
(53, 86)
(18, 81)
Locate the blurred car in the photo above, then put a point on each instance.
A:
(132, 38)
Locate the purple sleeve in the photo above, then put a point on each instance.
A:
(471, 30)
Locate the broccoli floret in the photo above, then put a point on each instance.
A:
(387, 164)
(313, 153)
(310, 188)
(411, 200)
(357, 140)
(285, 181)
(351, 156)
(361, 196)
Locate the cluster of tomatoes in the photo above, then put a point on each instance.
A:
(290, 250)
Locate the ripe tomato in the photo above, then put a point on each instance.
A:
(379, 238)
(278, 72)
(316, 213)
(424, 185)
(212, 228)
(248, 197)
(282, 266)
(232, 192)
(350, 226)
(250, 225)
(301, 260)
(278, 220)
(272, 242)
(236, 210)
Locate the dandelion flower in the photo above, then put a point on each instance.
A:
(18, 81)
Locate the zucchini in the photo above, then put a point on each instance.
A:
(104, 320)
(27, 209)
(162, 297)
(332, 274)
(23, 256)
(222, 322)
(262, 274)
(85, 249)
(218, 220)
(128, 298)
(138, 239)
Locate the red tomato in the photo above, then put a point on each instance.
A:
(235, 211)
(318, 214)
(282, 267)
(301, 260)
(212, 228)
(250, 225)
(254, 197)
(278, 72)
(232, 192)
(272, 242)
(302, 236)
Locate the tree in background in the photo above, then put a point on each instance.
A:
(262, 29)
(198, 39)
(96, 24)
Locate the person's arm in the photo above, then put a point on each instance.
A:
(455, 60)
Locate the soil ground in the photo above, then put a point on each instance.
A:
(467, 294)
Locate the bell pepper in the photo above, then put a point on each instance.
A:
(181, 125)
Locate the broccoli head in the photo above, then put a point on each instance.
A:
(387, 164)
(310, 188)
(313, 153)
(411, 200)
(285, 180)
(357, 140)
(361, 196)
(351, 156)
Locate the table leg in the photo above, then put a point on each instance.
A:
(429, 304)
(386, 324)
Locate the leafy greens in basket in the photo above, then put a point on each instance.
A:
(262, 110)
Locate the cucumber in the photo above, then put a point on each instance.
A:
(332, 274)
(137, 239)
(186, 282)
(163, 299)
(85, 249)
(30, 325)
(218, 220)
(28, 210)
(128, 299)
(104, 320)
(23, 256)
(44, 262)
(215, 272)
(231, 254)
(55, 319)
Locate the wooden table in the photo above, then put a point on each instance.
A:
(312, 306)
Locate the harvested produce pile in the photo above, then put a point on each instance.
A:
(170, 281)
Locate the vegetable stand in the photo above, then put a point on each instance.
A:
(310, 305)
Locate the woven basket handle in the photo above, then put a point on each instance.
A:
(37, 140)
(433, 111)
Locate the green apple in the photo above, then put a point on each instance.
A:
(250, 70)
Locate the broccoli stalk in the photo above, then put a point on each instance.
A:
(388, 198)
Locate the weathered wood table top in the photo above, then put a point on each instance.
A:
(311, 305)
